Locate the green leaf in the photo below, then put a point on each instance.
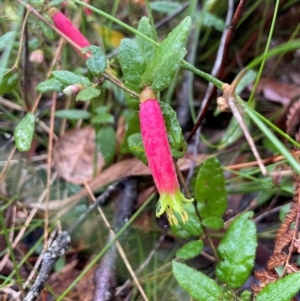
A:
(165, 72)
(132, 61)
(69, 78)
(190, 249)
(213, 222)
(176, 153)
(136, 147)
(210, 191)
(47, 31)
(8, 81)
(246, 296)
(199, 286)
(102, 109)
(103, 118)
(192, 228)
(5, 39)
(237, 251)
(73, 114)
(146, 47)
(24, 132)
(107, 142)
(165, 6)
(281, 290)
(88, 93)
(210, 20)
(246, 80)
(96, 63)
(175, 135)
(265, 195)
(167, 58)
(49, 85)
(133, 127)
(55, 2)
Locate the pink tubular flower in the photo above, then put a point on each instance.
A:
(158, 153)
(62, 23)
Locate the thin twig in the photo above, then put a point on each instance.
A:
(236, 18)
(34, 270)
(209, 90)
(228, 99)
(119, 247)
(49, 165)
(118, 83)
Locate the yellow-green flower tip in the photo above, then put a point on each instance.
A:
(170, 203)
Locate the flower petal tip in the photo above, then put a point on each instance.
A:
(171, 203)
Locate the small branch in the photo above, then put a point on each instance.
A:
(55, 251)
(228, 100)
(236, 18)
(120, 84)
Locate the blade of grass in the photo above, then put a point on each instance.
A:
(273, 139)
(266, 50)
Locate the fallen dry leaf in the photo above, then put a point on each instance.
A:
(276, 91)
(74, 155)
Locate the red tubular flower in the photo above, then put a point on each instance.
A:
(158, 153)
(65, 25)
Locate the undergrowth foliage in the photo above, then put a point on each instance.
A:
(154, 136)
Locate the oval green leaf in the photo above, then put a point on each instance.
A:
(69, 78)
(132, 61)
(49, 85)
(8, 81)
(6, 38)
(175, 135)
(97, 63)
(281, 290)
(199, 286)
(190, 250)
(136, 147)
(168, 56)
(24, 132)
(133, 127)
(165, 6)
(88, 93)
(73, 114)
(103, 118)
(210, 189)
(237, 251)
(213, 222)
(107, 142)
(147, 48)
